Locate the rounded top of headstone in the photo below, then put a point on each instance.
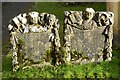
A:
(90, 10)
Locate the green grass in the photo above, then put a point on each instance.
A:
(100, 70)
(92, 70)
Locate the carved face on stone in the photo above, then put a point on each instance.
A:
(34, 16)
(89, 13)
(42, 16)
(51, 20)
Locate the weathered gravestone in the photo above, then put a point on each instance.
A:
(34, 38)
(88, 36)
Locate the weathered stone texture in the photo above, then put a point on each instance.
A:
(35, 45)
(34, 38)
(89, 36)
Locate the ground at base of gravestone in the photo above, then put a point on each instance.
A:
(92, 70)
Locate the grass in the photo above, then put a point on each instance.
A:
(91, 70)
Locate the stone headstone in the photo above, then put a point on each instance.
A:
(88, 36)
(34, 38)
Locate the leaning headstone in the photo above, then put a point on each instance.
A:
(34, 38)
(88, 36)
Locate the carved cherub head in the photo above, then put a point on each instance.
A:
(34, 16)
(89, 13)
(42, 17)
(51, 19)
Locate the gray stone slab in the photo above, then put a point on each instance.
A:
(92, 39)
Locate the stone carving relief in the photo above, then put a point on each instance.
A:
(88, 36)
(32, 35)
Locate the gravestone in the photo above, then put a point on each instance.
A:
(34, 38)
(88, 36)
